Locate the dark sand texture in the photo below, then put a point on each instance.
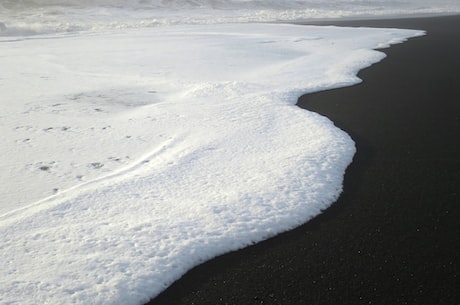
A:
(393, 237)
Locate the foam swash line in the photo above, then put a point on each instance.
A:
(162, 148)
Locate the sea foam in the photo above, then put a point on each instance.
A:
(33, 17)
(128, 157)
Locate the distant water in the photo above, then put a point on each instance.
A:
(28, 17)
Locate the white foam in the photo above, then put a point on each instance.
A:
(32, 17)
(130, 157)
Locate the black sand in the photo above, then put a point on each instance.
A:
(393, 237)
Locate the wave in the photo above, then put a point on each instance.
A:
(170, 4)
(30, 17)
(229, 4)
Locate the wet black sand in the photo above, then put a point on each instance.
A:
(393, 237)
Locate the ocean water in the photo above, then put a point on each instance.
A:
(29, 17)
(141, 138)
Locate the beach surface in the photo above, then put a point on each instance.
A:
(393, 235)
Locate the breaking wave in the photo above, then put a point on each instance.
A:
(29, 17)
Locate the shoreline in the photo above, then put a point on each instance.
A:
(392, 237)
(370, 18)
